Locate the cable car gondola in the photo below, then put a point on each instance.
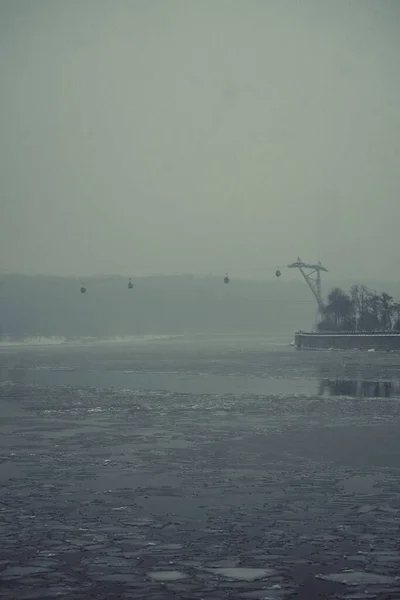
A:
(278, 272)
(83, 289)
(130, 284)
(226, 278)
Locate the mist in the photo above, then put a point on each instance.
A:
(165, 430)
(199, 137)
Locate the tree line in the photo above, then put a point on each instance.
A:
(361, 309)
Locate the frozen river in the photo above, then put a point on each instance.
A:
(209, 468)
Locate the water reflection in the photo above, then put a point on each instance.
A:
(359, 388)
(14, 374)
(189, 383)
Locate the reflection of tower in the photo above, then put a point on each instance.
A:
(358, 388)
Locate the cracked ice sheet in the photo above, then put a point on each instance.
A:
(167, 575)
(241, 573)
(358, 596)
(359, 578)
(276, 592)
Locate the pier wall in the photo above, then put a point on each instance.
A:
(347, 341)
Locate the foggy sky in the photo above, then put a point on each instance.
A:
(169, 136)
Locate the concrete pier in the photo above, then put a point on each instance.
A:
(347, 341)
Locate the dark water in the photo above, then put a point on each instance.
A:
(229, 467)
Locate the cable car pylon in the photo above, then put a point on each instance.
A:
(312, 276)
